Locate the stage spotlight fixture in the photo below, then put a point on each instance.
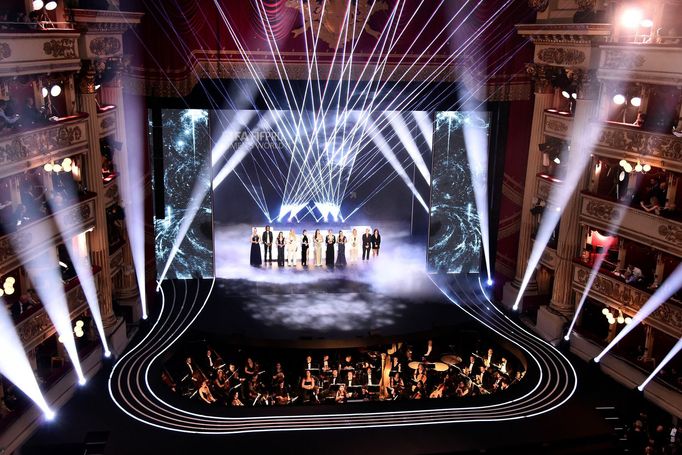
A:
(37, 4)
(669, 356)
(621, 176)
(565, 94)
(49, 415)
(574, 95)
(107, 354)
(489, 282)
(97, 86)
(618, 99)
(44, 92)
(557, 160)
(82, 381)
(666, 290)
(14, 364)
(636, 101)
(56, 90)
(631, 18)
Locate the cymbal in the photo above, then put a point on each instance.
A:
(413, 365)
(440, 366)
(451, 359)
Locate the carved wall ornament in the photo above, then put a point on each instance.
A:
(538, 5)
(32, 328)
(602, 210)
(671, 233)
(5, 51)
(16, 241)
(13, 151)
(86, 78)
(585, 5)
(65, 48)
(641, 142)
(561, 56)
(107, 123)
(556, 125)
(622, 60)
(107, 45)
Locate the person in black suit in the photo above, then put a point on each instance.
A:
(304, 249)
(309, 365)
(366, 245)
(267, 244)
(329, 257)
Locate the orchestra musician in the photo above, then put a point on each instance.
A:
(341, 394)
(347, 363)
(503, 366)
(309, 386)
(249, 368)
(282, 396)
(205, 393)
(489, 358)
(470, 369)
(326, 366)
(419, 375)
(309, 365)
(235, 399)
(397, 385)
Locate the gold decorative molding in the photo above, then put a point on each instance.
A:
(602, 210)
(561, 56)
(105, 46)
(620, 138)
(60, 48)
(628, 299)
(5, 51)
(35, 147)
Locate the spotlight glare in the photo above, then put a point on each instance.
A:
(618, 99)
(631, 18)
(52, 5)
(565, 94)
(638, 167)
(56, 90)
(627, 167)
(49, 415)
(636, 101)
(44, 92)
(557, 160)
(107, 354)
(490, 282)
(647, 23)
(82, 381)
(37, 4)
(646, 168)
(574, 96)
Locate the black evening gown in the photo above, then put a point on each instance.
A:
(280, 253)
(256, 259)
(341, 255)
(329, 258)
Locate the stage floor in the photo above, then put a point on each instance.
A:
(389, 294)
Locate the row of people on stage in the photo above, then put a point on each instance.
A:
(290, 248)
(391, 374)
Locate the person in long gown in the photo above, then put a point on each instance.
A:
(341, 250)
(329, 257)
(376, 242)
(256, 259)
(318, 240)
(304, 248)
(281, 243)
(292, 247)
(354, 246)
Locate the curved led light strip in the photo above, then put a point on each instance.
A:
(555, 385)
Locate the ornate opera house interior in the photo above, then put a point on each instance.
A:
(400, 226)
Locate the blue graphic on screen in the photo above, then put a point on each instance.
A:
(186, 149)
(454, 230)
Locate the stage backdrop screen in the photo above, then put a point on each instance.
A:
(454, 230)
(186, 145)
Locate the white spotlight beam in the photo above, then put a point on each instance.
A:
(47, 281)
(667, 289)
(401, 130)
(425, 125)
(669, 356)
(14, 364)
(379, 140)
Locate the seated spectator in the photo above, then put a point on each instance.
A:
(30, 115)
(653, 206)
(21, 216)
(6, 121)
